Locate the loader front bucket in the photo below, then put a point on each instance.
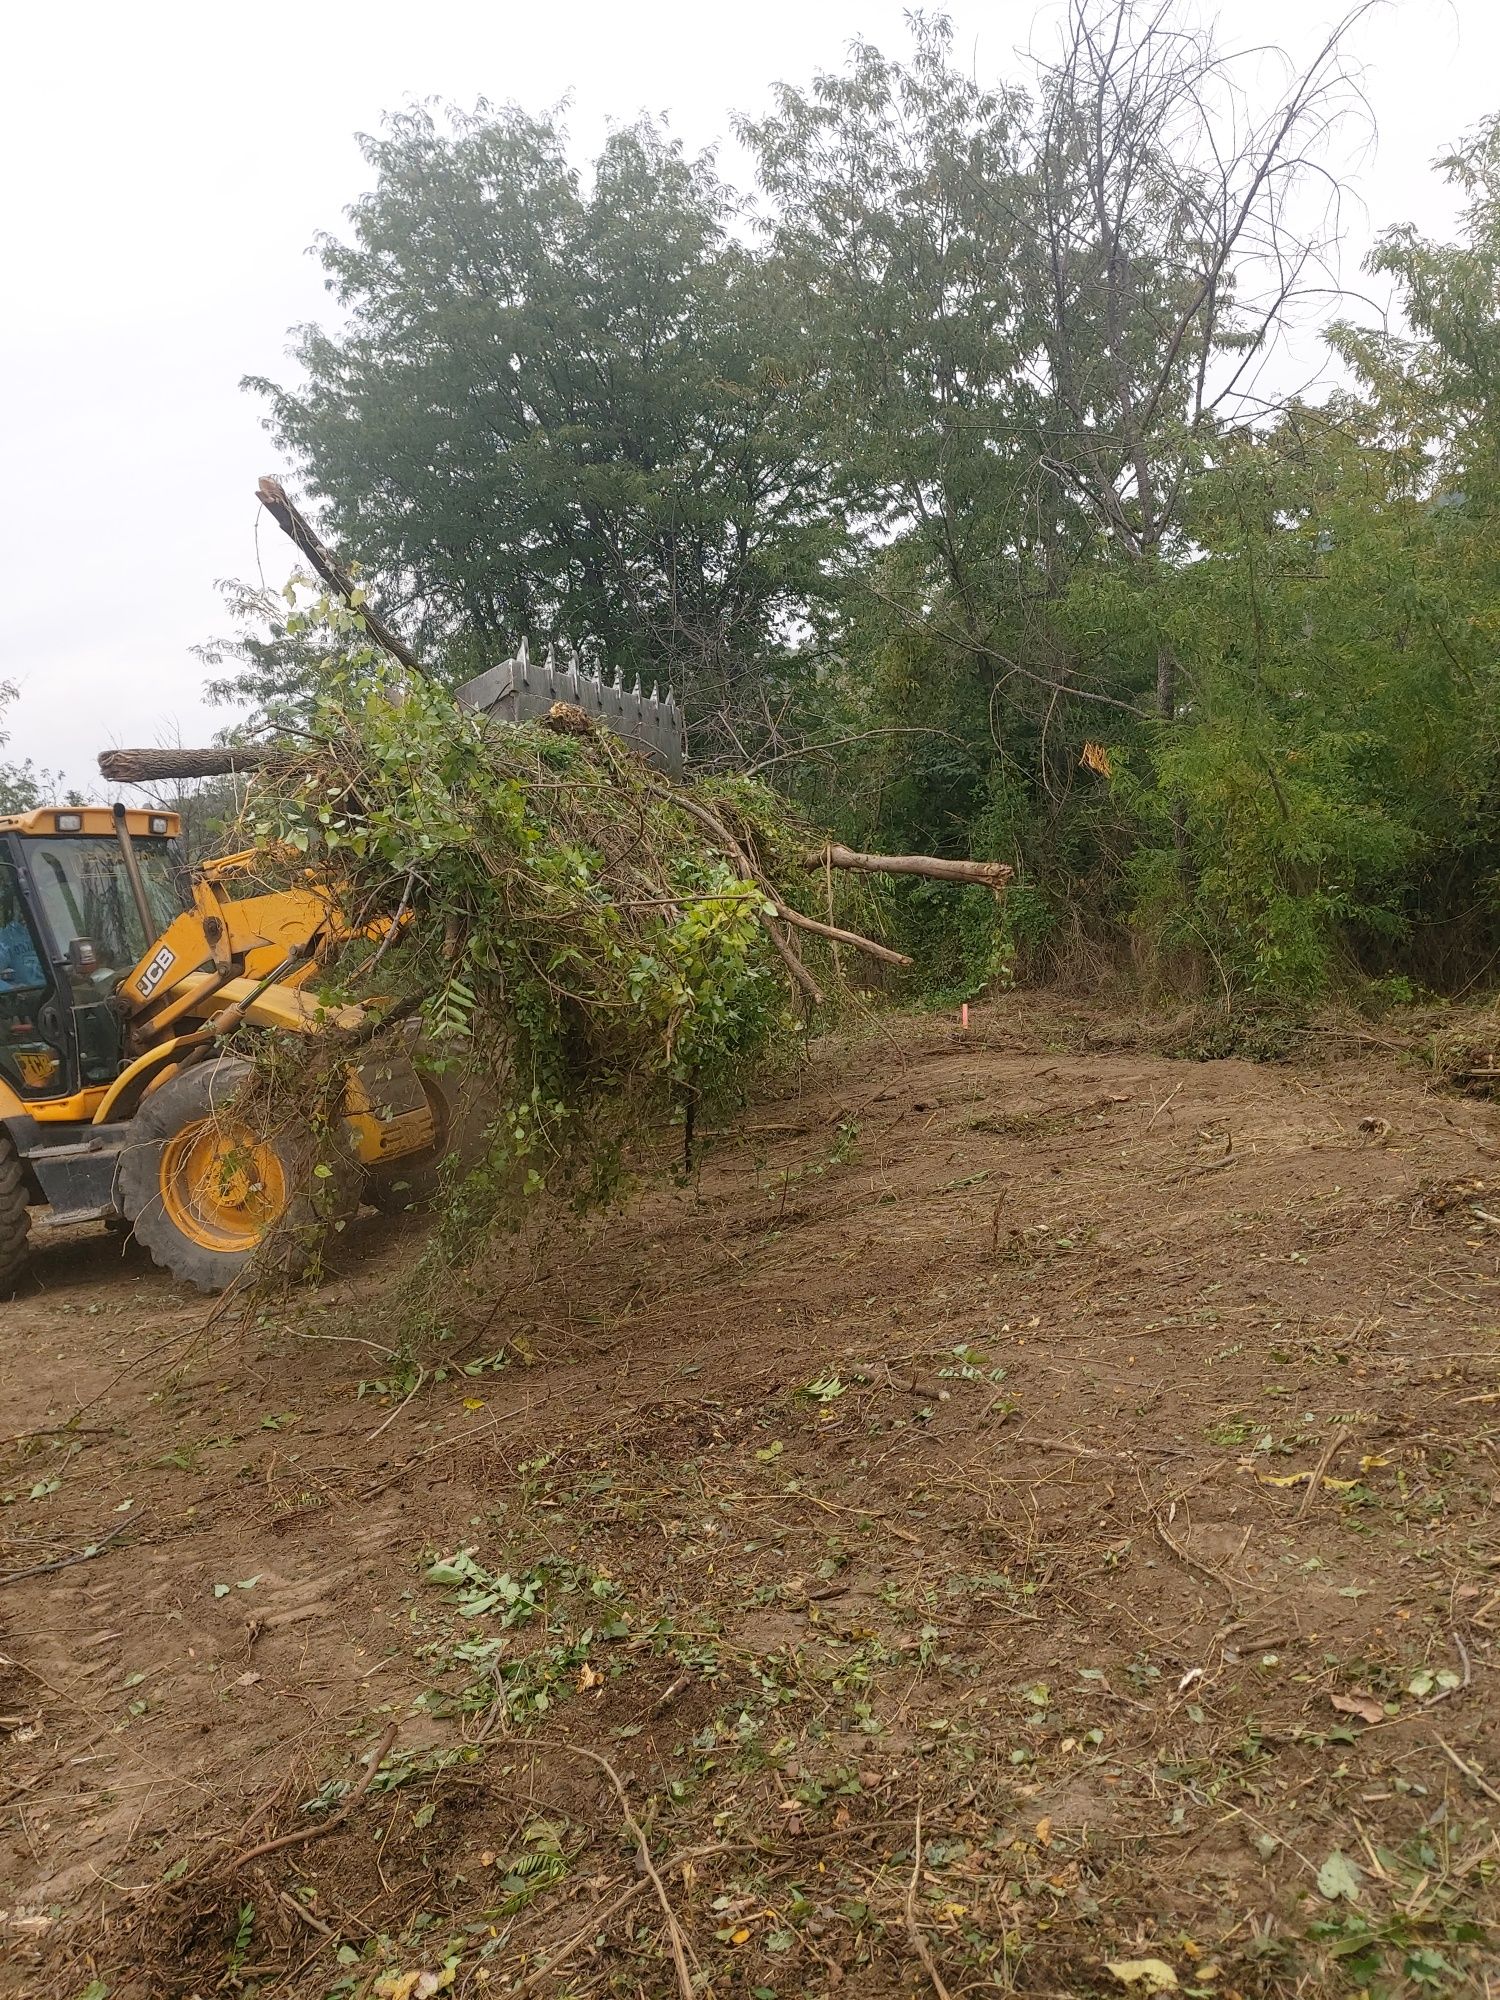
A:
(523, 690)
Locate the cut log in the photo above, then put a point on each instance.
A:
(937, 868)
(222, 760)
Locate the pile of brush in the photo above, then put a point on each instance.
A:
(583, 943)
(587, 944)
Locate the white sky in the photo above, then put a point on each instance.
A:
(165, 166)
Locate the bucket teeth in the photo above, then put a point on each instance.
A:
(523, 690)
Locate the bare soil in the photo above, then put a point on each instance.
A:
(1025, 1507)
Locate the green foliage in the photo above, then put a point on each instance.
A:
(557, 411)
(949, 494)
(580, 962)
(1317, 805)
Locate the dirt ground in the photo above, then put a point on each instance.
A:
(1021, 1520)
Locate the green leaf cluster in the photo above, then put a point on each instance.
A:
(578, 964)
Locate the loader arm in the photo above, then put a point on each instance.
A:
(235, 959)
(226, 934)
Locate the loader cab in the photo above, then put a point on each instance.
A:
(71, 928)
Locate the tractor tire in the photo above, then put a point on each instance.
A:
(410, 1185)
(15, 1218)
(215, 1198)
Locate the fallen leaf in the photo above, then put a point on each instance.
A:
(247, 1680)
(589, 1677)
(1365, 1706)
(1044, 1832)
(1339, 1877)
(1151, 1975)
(739, 1936)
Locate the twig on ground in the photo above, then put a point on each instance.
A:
(664, 1702)
(70, 1429)
(1162, 1107)
(303, 1834)
(1095, 1451)
(913, 1928)
(1183, 1555)
(1474, 1777)
(591, 1930)
(566, 1950)
(78, 1556)
(1317, 1479)
(421, 1378)
(301, 1910)
(643, 1857)
(1463, 1654)
(865, 1513)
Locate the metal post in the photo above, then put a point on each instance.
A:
(133, 871)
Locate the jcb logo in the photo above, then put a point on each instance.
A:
(155, 972)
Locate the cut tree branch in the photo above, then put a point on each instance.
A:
(937, 868)
(272, 495)
(868, 945)
(149, 767)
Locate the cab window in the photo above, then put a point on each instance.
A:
(28, 1063)
(86, 898)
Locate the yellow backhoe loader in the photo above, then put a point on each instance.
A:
(122, 1098)
(118, 1099)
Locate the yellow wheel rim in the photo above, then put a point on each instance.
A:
(222, 1186)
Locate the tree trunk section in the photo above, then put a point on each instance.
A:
(152, 767)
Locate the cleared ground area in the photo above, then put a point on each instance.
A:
(1021, 1519)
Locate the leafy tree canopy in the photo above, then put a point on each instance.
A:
(944, 482)
(557, 411)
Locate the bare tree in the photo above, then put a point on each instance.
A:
(1182, 217)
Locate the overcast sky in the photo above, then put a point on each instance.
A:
(165, 167)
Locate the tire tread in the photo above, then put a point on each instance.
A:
(15, 1218)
